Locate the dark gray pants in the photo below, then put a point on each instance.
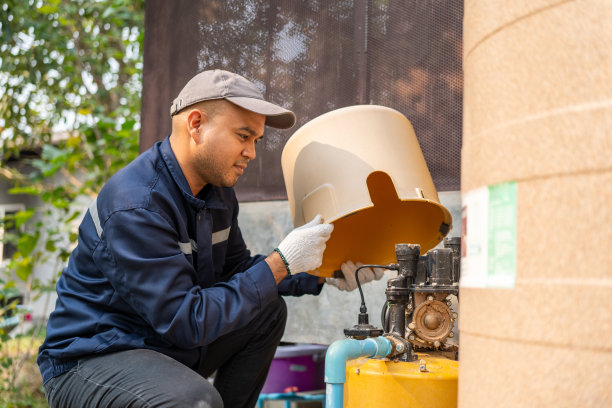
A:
(145, 378)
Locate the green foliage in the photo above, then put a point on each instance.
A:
(70, 81)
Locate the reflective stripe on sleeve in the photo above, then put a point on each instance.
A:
(185, 247)
(93, 211)
(188, 247)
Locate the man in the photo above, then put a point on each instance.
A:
(161, 291)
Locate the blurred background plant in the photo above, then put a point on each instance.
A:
(70, 84)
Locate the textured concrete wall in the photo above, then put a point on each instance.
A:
(538, 111)
(320, 319)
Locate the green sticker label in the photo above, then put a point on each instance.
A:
(488, 233)
(501, 262)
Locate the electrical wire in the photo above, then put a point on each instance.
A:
(363, 308)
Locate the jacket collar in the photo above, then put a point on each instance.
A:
(208, 197)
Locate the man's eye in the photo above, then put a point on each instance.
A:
(257, 140)
(242, 136)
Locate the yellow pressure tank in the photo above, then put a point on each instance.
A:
(429, 382)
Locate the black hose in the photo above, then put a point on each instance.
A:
(384, 318)
(363, 308)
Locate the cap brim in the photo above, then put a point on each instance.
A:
(276, 116)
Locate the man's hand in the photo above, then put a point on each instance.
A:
(348, 270)
(304, 246)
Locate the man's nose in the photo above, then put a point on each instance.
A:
(249, 151)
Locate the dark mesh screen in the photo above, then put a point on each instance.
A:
(313, 57)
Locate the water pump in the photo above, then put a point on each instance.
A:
(418, 313)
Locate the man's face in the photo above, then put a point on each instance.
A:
(227, 144)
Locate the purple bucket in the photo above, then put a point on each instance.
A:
(301, 366)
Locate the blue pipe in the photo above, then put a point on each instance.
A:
(338, 353)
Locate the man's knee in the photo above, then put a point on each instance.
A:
(276, 313)
(281, 308)
(199, 398)
(134, 378)
(271, 320)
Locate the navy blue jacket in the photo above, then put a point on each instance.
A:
(157, 268)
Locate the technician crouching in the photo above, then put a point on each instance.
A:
(161, 290)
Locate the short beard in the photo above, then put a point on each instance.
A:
(209, 171)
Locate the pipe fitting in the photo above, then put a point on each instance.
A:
(398, 345)
(338, 353)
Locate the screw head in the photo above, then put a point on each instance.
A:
(451, 334)
(411, 337)
(422, 366)
(399, 347)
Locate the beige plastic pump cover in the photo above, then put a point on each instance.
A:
(362, 169)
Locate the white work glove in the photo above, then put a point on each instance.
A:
(348, 270)
(304, 246)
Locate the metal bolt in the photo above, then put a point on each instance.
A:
(422, 366)
(430, 297)
(449, 303)
(436, 344)
(411, 326)
(357, 371)
(409, 306)
(451, 334)
(411, 337)
(399, 347)
(455, 315)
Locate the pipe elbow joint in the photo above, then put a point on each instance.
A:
(339, 352)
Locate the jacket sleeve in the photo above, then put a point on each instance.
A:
(239, 259)
(139, 253)
(300, 284)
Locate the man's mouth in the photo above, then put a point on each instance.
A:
(240, 168)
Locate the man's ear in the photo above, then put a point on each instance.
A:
(195, 120)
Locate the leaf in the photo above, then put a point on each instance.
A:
(21, 217)
(50, 246)
(24, 269)
(60, 203)
(26, 243)
(32, 190)
(47, 9)
(73, 142)
(52, 153)
(108, 12)
(72, 217)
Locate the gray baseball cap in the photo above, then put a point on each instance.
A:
(219, 84)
